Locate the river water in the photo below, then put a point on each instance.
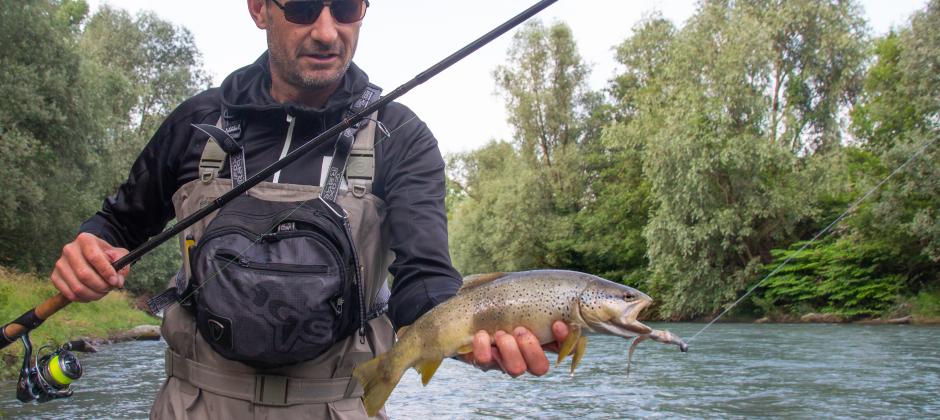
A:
(730, 371)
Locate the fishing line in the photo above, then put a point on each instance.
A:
(845, 214)
(388, 134)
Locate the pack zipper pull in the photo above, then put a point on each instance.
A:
(337, 305)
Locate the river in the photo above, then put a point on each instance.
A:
(730, 371)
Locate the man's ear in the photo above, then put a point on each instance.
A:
(259, 12)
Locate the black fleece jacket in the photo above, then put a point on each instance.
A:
(409, 176)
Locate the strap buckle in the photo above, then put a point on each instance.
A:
(270, 390)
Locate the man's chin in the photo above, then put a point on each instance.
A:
(318, 78)
(320, 82)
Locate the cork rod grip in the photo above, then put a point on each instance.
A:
(32, 319)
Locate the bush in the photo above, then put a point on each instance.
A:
(927, 304)
(838, 276)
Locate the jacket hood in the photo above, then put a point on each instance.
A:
(248, 89)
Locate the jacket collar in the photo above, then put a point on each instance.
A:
(248, 89)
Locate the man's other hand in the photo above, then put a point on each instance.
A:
(514, 353)
(84, 272)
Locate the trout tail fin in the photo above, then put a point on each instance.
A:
(378, 377)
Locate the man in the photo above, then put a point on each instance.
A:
(300, 87)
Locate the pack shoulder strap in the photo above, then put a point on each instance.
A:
(360, 170)
(213, 154)
(344, 144)
(354, 154)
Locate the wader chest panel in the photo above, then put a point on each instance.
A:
(183, 396)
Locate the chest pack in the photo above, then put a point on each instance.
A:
(275, 283)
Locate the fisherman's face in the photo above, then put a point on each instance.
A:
(307, 57)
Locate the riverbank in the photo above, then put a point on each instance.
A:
(103, 320)
(824, 318)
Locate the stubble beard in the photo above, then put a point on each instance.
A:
(295, 76)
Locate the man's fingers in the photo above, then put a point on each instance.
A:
(512, 361)
(531, 350)
(98, 259)
(482, 349)
(115, 254)
(62, 285)
(82, 271)
(81, 292)
(518, 352)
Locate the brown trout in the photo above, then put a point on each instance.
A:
(503, 301)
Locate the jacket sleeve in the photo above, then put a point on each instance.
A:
(417, 222)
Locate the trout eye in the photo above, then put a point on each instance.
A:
(627, 296)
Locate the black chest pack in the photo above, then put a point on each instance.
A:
(276, 283)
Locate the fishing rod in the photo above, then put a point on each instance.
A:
(49, 377)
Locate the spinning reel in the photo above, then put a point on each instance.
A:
(51, 374)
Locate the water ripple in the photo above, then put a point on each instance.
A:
(732, 371)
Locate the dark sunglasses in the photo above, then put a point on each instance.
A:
(305, 12)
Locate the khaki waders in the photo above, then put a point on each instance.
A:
(201, 384)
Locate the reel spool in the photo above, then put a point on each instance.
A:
(50, 376)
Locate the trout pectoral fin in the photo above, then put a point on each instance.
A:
(570, 341)
(578, 353)
(465, 349)
(427, 369)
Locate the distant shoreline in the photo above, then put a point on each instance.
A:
(818, 318)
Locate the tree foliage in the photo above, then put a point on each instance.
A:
(736, 98)
(505, 221)
(545, 91)
(51, 129)
(721, 144)
(521, 199)
(898, 116)
(79, 96)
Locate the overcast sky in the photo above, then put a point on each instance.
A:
(403, 37)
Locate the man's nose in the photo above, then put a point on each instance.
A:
(324, 28)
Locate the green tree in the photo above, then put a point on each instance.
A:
(160, 66)
(544, 87)
(898, 114)
(886, 252)
(75, 112)
(844, 276)
(884, 112)
(618, 202)
(51, 130)
(505, 221)
(520, 199)
(745, 91)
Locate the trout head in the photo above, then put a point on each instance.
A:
(611, 308)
